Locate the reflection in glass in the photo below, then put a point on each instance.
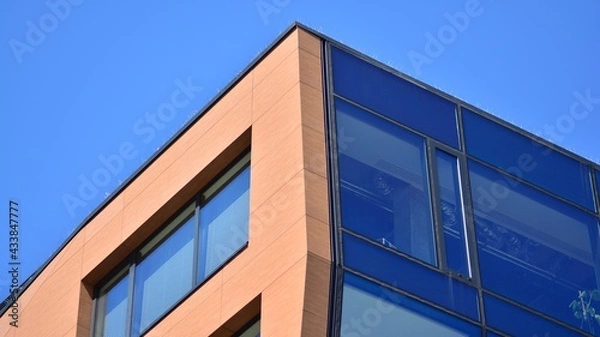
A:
(532, 247)
(224, 224)
(528, 159)
(111, 320)
(383, 177)
(518, 322)
(163, 277)
(372, 310)
(394, 270)
(394, 97)
(452, 213)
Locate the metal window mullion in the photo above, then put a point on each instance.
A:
(195, 257)
(461, 130)
(436, 204)
(335, 312)
(130, 292)
(471, 240)
(595, 188)
(464, 210)
(596, 194)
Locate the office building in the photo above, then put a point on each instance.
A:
(325, 194)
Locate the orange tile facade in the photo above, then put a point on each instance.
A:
(277, 109)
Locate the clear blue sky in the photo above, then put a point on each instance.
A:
(81, 80)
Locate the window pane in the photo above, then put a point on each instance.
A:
(384, 189)
(112, 318)
(401, 273)
(372, 310)
(452, 213)
(394, 97)
(518, 322)
(527, 159)
(532, 247)
(224, 224)
(164, 276)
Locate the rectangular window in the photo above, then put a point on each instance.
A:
(164, 275)
(527, 159)
(184, 253)
(532, 248)
(452, 217)
(223, 223)
(519, 322)
(372, 310)
(399, 272)
(112, 307)
(394, 97)
(384, 183)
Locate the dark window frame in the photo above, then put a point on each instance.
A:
(128, 266)
(431, 145)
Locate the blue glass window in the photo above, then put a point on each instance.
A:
(518, 322)
(163, 277)
(532, 248)
(372, 310)
(224, 224)
(394, 97)
(452, 213)
(384, 186)
(399, 272)
(111, 315)
(527, 159)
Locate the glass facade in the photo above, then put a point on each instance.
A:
(386, 190)
(533, 248)
(377, 89)
(496, 237)
(184, 253)
(527, 159)
(372, 310)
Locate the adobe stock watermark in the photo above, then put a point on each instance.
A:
(146, 129)
(267, 8)
(14, 261)
(447, 34)
(579, 110)
(47, 23)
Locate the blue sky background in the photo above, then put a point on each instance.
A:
(83, 89)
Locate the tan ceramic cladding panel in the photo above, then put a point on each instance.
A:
(279, 103)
